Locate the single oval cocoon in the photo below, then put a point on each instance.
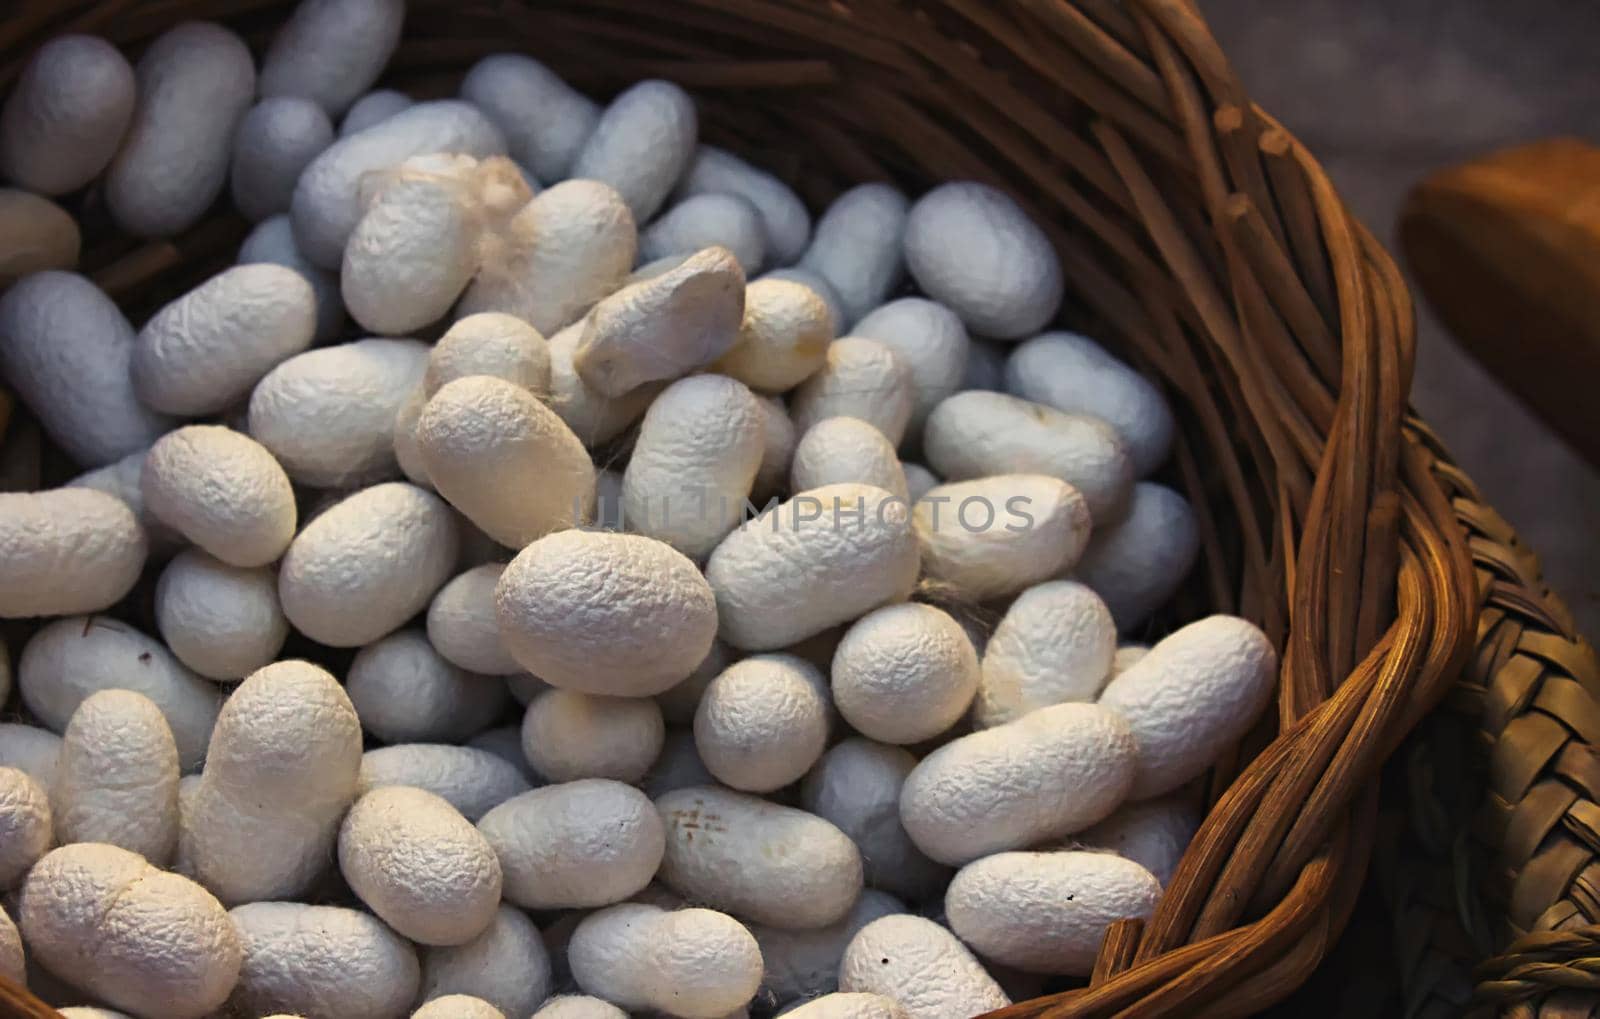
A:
(503, 458)
(117, 777)
(698, 963)
(568, 735)
(194, 83)
(700, 221)
(663, 327)
(846, 449)
(576, 845)
(222, 621)
(565, 250)
(1138, 562)
(641, 145)
(823, 558)
(904, 673)
(932, 342)
(26, 824)
(1048, 774)
(328, 414)
(1151, 833)
(640, 633)
(997, 535)
(1055, 644)
(784, 337)
(763, 722)
(330, 51)
(1047, 912)
(68, 550)
(1074, 374)
(856, 246)
(694, 463)
(327, 198)
(281, 772)
(469, 779)
(802, 964)
(272, 241)
(223, 491)
(785, 224)
(545, 120)
(506, 966)
(305, 960)
(66, 348)
(490, 343)
(862, 379)
(462, 626)
(204, 351)
(405, 692)
(1197, 692)
(42, 235)
(69, 659)
(273, 144)
(66, 114)
(976, 434)
(367, 564)
(856, 786)
(771, 864)
(972, 248)
(928, 971)
(129, 934)
(421, 866)
(378, 105)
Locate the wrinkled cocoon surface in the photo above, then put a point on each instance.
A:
(222, 621)
(419, 865)
(592, 416)
(405, 692)
(846, 1005)
(694, 462)
(904, 673)
(122, 479)
(932, 342)
(697, 963)
(457, 1006)
(470, 779)
(129, 934)
(272, 241)
(281, 771)
(856, 786)
(783, 339)
(41, 235)
(822, 558)
(544, 120)
(930, 973)
(506, 966)
(576, 845)
(117, 777)
(820, 287)
(311, 960)
(65, 348)
(643, 632)
(12, 963)
(503, 458)
(1196, 693)
(771, 864)
(976, 434)
(856, 246)
(1136, 563)
(194, 83)
(26, 824)
(368, 564)
(805, 963)
(862, 379)
(568, 735)
(1055, 644)
(578, 1006)
(1048, 774)
(66, 114)
(641, 145)
(663, 327)
(462, 626)
(330, 51)
(223, 491)
(1047, 912)
(490, 343)
(66, 661)
(763, 722)
(1151, 833)
(67, 550)
(846, 449)
(997, 535)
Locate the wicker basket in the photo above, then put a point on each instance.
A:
(1203, 240)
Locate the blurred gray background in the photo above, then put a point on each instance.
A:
(1386, 91)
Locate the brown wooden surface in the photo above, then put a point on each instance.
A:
(1506, 249)
(1200, 240)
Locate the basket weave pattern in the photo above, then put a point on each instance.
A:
(1203, 241)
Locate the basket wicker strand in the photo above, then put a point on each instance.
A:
(1205, 243)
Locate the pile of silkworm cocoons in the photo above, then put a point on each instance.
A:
(550, 574)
